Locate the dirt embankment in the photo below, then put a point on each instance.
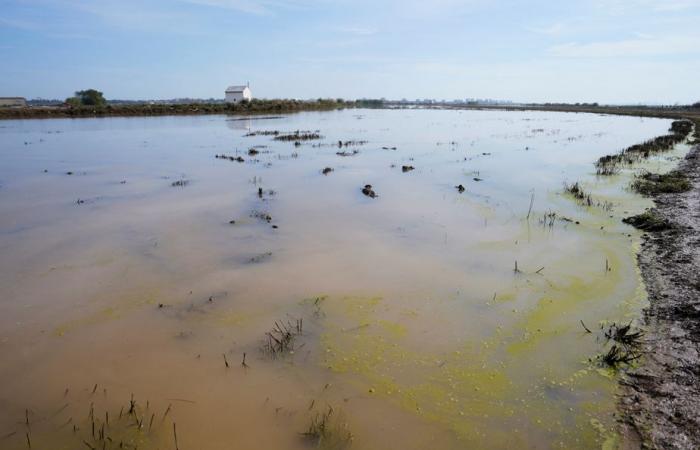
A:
(660, 400)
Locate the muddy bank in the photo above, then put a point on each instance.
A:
(659, 400)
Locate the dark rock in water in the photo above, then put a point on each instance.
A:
(460, 188)
(327, 170)
(477, 179)
(252, 152)
(232, 222)
(407, 168)
(367, 190)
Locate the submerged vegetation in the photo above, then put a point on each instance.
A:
(130, 426)
(584, 198)
(624, 334)
(625, 347)
(618, 355)
(230, 158)
(328, 431)
(297, 136)
(610, 164)
(281, 338)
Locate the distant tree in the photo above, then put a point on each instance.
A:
(696, 105)
(73, 101)
(88, 97)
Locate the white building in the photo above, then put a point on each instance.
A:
(12, 102)
(235, 94)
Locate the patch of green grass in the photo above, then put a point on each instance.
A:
(648, 221)
(653, 183)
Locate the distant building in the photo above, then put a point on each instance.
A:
(12, 101)
(235, 94)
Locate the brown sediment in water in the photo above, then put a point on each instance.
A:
(659, 399)
(419, 329)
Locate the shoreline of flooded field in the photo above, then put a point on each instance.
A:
(242, 293)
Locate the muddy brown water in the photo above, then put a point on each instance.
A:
(417, 331)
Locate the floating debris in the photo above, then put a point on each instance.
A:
(460, 188)
(262, 216)
(350, 143)
(327, 170)
(345, 153)
(405, 169)
(230, 158)
(180, 183)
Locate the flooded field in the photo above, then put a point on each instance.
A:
(215, 282)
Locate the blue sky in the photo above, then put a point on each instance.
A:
(612, 51)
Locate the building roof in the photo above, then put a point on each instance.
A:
(235, 89)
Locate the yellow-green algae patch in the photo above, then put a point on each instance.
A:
(471, 389)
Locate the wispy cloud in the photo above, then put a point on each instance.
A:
(650, 46)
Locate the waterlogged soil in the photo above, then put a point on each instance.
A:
(660, 398)
(267, 302)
